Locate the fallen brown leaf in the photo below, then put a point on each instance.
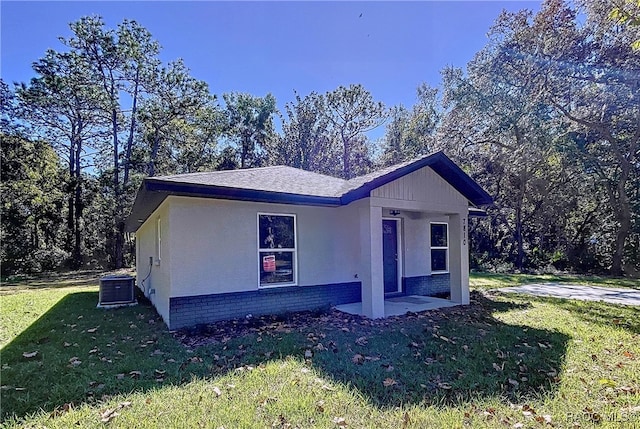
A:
(340, 421)
(357, 359)
(362, 341)
(108, 415)
(389, 382)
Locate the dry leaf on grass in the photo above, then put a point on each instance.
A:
(362, 341)
(109, 414)
(340, 421)
(30, 355)
(61, 410)
(389, 382)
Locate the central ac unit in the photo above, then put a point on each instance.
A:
(116, 290)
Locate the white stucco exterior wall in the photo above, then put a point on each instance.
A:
(214, 246)
(157, 286)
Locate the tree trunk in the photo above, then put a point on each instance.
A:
(155, 146)
(518, 237)
(622, 211)
(244, 151)
(346, 167)
(70, 205)
(77, 258)
(127, 156)
(119, 238)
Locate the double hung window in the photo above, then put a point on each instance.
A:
(439, 248)
(277, 250)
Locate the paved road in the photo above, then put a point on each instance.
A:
(587, 293)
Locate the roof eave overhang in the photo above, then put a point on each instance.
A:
(153, 192)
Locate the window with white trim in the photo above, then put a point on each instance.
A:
(277, 250)
(439, 247)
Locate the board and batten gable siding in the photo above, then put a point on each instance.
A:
(423, 190)
(160, 277)
(214, 245)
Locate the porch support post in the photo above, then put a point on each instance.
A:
(371, 261)
(459, 258)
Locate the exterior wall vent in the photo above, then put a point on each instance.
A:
(116, 291)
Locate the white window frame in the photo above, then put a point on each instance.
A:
(158, 241)
(294, 250)
(445, 248)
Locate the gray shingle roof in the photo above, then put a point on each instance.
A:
(281, 179)
(288, 185)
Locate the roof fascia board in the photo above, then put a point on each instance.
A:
(254, 195)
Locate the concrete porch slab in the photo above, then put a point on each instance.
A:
(401, 305)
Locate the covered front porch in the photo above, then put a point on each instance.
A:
(410, 251)
(401, 305)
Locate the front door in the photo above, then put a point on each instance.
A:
(390, 254)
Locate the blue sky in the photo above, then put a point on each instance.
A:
(277, 47)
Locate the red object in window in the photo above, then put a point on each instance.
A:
(269, 263)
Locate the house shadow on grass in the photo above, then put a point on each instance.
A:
(76, 353)
(85, 354)
(435, 357)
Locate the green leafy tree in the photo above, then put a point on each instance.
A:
(250, 125)
(352, 112)
(62, 105)
(627, 12)
(177, 103)
(31, 210)
(493, 127)
(587, 72)
(411, 133)
(123, 62)
(306, 140)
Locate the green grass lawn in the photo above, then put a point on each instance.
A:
(495, 280)
(504, 361)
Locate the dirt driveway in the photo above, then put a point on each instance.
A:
(582, 292)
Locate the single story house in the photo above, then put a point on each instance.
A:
(226, 244)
